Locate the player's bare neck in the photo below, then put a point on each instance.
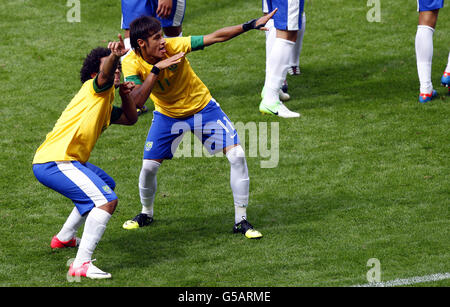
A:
(151, 60)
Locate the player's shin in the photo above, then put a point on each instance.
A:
(424, 56)
(70, 227)
(276, 70)
(239, 181)
(93, 231)
(148, 185)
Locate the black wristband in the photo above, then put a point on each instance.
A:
(155, 70)
(250, 25)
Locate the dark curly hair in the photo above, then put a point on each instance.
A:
(92, 62)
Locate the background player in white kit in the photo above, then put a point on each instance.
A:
(428, 14)
(280, 53)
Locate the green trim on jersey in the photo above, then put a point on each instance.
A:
(197, 43)
(115, 114)
(100, 90)
(135, 78)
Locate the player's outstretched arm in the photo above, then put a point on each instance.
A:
(106, 75)
(140, 93)
(228, 33)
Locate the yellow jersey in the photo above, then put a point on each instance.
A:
(78, 128)
(178, 92)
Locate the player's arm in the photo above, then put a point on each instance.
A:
(140, 93)
(228, 33)
(106, 75)
(127, 113)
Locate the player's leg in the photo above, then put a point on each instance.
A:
(132, 9)
(295, 60)
(172, 25)
(279, 58)
(270, 39)
(218, 134)
(161, 144)
(445, 80)
(428, 14)
(92, 197)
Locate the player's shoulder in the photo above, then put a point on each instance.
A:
(177, 44)
(130, 58)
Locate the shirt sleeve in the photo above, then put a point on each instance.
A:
(197, 43)
(130, 71)
(99, 90)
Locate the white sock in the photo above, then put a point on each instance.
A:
(271, 35)
(70, 227)
(295, 60)
(147, 185)
(447, 69)
(424, 57)
(127, 44)
(93, 231)
(239, 181)
(276, 69)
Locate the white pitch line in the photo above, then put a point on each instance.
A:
(408, 281)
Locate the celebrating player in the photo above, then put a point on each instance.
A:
(169, 12)
(60, 163)
(428, 14)
(183, 103)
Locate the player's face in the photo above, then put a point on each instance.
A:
(154, 46)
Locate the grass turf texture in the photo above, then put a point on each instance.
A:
(364, 173)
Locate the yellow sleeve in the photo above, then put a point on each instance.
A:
(130, 69)
(176, 45)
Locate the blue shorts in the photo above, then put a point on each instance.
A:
(132, 9)
(429, 5)
(85, 184)
(289, 14)
(211, 125)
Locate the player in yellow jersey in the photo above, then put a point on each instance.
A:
(60, 163)
(182, 103)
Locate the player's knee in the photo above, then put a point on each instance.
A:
(236, 155)
(150, 166)
(110, 207)
(172, 31)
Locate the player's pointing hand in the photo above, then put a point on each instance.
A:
(261, 22)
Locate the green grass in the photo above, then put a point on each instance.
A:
(364, 173)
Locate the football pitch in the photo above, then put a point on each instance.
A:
(359, 184)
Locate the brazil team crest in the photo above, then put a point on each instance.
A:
(107, 189)
(148, 146)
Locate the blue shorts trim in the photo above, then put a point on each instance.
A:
(211, 125)
(85, 184)
(429, 5)
(132, 9)
(289, 15)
